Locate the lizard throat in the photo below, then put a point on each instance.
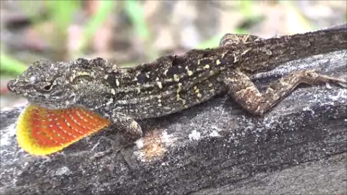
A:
(41, 131)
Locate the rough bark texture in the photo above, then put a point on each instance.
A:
(299, 147)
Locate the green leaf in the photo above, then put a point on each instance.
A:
(135, 12)
(61, 12)
(96, 22)
(10, 65)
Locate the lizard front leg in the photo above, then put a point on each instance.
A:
(229, 38)
(244, 91)
(127, 126)
(129, 129)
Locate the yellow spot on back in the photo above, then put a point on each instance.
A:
(134, 125)
(176, 77)
(178, 97)
(183, 101)
(197, 91)
(82, 73)
(190, 73)
(168, 80)
(218, 62)
(160, 85)
(117, 82)
(207, 66)
(179, 87)
(113, 91)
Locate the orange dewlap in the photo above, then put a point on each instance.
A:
(41, 131)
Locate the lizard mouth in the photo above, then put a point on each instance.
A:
(50, 105)
(50, 102)
(41, 131)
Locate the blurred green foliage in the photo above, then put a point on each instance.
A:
(10, 66)
(136, 15)
(61, 14)
(104, 11)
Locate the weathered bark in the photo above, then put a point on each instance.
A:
(214, 148)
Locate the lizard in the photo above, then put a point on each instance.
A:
(70, 100)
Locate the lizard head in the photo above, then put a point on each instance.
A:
(59, 85)
(55, 117)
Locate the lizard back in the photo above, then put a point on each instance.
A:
(168, 85)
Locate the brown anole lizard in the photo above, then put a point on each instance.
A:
(70, 100)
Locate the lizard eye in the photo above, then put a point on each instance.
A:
(46, 86)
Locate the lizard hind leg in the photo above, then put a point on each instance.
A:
(244, 91)
(229, 39)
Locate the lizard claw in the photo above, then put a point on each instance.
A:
(342, 82)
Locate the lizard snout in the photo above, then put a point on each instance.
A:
(15, 86)
(11, 85)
